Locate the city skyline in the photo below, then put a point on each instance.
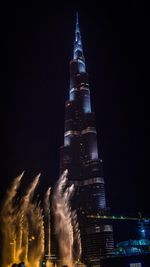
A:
(31, 70)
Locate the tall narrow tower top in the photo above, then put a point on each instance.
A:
(78, 50)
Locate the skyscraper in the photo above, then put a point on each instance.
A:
(79, 155)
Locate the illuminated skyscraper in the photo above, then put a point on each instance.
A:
(79, 155)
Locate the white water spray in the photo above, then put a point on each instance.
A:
(63, 220)
(23, 225)
(48, 220)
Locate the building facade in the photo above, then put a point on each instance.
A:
(80, 156)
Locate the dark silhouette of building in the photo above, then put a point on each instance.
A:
(127, 261)
(79, 155)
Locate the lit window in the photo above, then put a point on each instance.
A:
(135, 264)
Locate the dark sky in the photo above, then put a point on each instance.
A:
(37, 42)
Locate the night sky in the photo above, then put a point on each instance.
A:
(37, 42)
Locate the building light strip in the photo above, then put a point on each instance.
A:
(85, 131)
(88, 130)
(67, 133)
(84, 88)
(81, 88)
(73, 89)
(95, 180)
(99, 229)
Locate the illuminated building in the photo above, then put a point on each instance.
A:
(79, 155)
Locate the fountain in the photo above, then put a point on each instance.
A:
(26, 226)
(48, 226)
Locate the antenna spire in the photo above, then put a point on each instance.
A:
(78, 50)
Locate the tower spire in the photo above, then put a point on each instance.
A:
(77, 18)
(78, 50)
